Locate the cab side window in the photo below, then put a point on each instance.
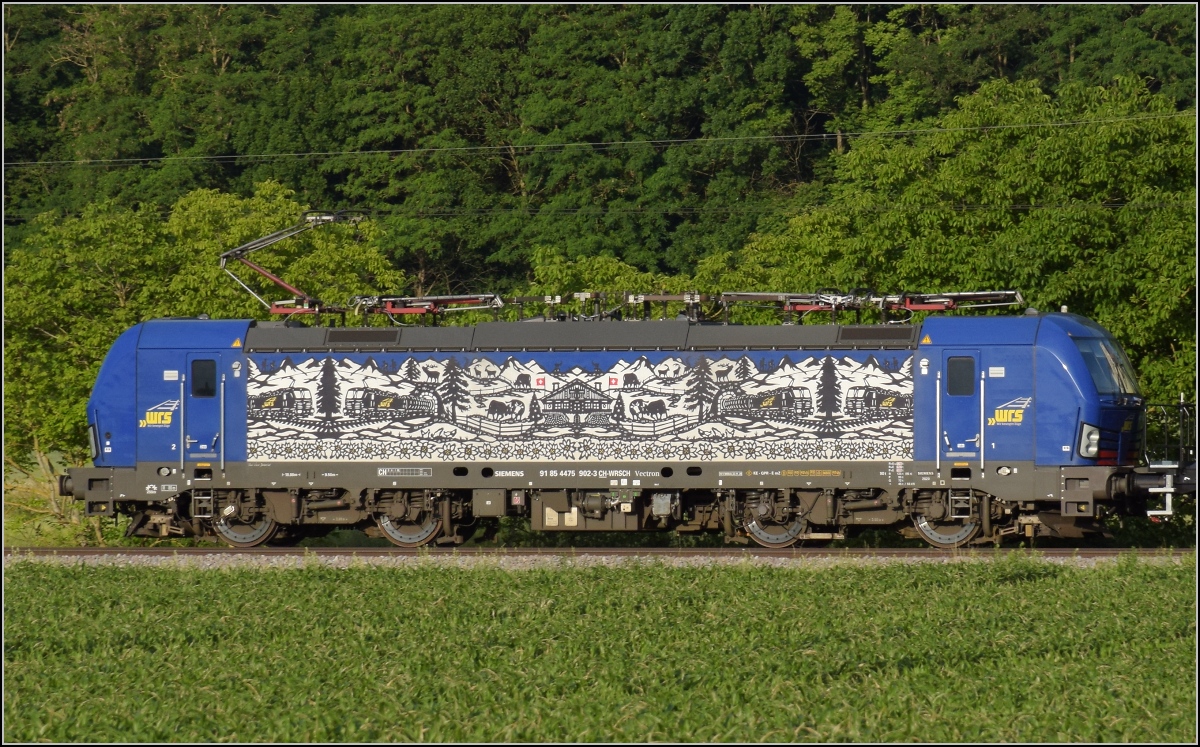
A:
(204, 378)
(960, 376)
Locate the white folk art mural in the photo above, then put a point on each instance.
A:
(732, 405)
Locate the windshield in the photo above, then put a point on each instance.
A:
(1106, 362)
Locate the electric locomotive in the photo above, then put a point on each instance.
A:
(281, 403)
(960, 429)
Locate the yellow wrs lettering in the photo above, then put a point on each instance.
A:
(768, 401)
(888, 402)
(269, 402)
(156, 418)
(1007, 417)
(385, 402)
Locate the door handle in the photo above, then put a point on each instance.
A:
(188, 441)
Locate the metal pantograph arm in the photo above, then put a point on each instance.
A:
(301, 302)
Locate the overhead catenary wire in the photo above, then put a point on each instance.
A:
(531, 148)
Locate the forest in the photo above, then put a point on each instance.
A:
(550, 149)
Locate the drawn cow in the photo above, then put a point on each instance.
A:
(631, 380)
(522, 381)
(653, 410)
(512, 409)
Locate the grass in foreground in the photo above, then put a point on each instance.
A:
(1011, 650)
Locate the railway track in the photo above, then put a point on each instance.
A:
(798, 553)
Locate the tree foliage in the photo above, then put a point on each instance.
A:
(1099, 219)
(72, 286)
(548, 150)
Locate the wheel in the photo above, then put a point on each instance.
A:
(410, 533)
(237, 533)
(769, 534)
(944, 534)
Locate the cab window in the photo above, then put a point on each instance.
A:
(960, 376)
(204, 378)
(1110, 370)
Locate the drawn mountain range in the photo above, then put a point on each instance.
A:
(828, 398)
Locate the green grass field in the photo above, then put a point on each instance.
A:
(1011, 650)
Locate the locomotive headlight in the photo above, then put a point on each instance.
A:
(1089, 441)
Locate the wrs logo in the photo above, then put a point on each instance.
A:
(1011, 413)
(159, 416)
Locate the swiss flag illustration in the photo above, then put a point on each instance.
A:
(612, 381)
(541, 381)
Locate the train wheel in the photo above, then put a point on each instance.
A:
(946, 535)
(410, 533)
(237, 533)
(775, 535)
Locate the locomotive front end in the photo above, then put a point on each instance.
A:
(1109, 454)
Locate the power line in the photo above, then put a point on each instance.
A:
(594, 146)
(597, 211)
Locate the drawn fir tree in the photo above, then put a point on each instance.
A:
(828, 396)
(453, 393)
(411, 371)
(619, 409)
(702, 389)
(743, 368)
(329, 396)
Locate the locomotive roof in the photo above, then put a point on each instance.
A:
(577, 335)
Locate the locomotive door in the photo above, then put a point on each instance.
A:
(203, 424)
(961, 434)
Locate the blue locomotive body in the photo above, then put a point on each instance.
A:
(970, 428)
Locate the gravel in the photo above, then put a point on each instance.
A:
(519, 562)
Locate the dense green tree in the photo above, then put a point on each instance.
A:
(205, 85)
(1099, 217)
(72, 286)
(262, 109)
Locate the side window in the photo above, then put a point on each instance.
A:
(960, 376)
(204, 378)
